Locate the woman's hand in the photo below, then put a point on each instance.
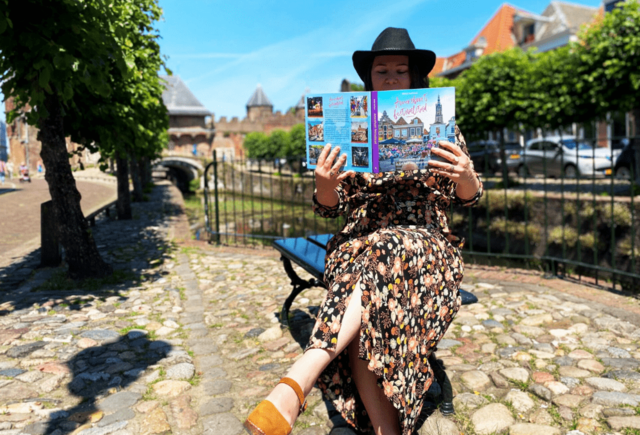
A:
(328, 175)
(460, 170)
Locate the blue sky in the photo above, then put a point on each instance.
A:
(222, 50)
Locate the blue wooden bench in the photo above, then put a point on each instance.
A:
(309, 253)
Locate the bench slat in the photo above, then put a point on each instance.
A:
(310, 257)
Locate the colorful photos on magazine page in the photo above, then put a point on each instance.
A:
(411, 123)
(340, 119)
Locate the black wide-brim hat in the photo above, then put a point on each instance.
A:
(393, 41)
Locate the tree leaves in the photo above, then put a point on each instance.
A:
(101, 58)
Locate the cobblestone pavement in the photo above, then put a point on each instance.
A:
(192, 341)
(20, 214)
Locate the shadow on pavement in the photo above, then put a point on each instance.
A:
(101, 371)
(135, 248)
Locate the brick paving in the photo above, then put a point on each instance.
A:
(192, 343)
(20, 214)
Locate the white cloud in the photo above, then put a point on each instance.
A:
(287, 67)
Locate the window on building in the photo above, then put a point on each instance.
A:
(529, 33)
(611, 5)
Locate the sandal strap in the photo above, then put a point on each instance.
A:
(294, 385)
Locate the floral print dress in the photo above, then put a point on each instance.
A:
(396, 244)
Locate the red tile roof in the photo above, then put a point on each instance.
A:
(498, 33)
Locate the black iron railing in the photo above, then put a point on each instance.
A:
(569, 210)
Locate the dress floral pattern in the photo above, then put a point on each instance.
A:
(396, 244)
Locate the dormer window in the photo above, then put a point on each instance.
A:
(529, 33)
(475, 50)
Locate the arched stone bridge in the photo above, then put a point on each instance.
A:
(181, 171)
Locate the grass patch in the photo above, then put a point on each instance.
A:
(523, 386)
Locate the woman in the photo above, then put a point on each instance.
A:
(392, 273)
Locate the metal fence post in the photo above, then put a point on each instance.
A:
(50, 255)
(215, 196)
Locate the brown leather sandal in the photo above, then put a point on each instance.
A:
(267, 420)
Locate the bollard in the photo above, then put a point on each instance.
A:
(49, 243)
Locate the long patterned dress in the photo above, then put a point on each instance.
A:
(396, 244)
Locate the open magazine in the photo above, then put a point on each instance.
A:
(381, 131)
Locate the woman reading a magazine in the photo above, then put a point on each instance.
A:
(393, 273)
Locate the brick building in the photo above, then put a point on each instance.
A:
(24, 146)
(191, 131)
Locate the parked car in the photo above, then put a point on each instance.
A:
(485, 155)
(625, 161)
(554, 154)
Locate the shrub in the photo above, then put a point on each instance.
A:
(621, 214)
(457, 219)
(624, 247)
(495, 200)
(556, 236)
(516, 230)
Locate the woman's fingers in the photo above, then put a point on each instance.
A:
(323, 155)
(451, 147)
(445, 154)
(329, 162)
(447, 167)
(339, 163)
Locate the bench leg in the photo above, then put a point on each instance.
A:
(446, 407)
(299, 285)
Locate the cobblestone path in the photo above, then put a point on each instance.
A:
(191, 342)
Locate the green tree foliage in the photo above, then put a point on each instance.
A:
(257, 145)
(554, 99)
(356, 87)
(297, 140)
(277, 144)
(442, 82)
(494, 94)
(609, 53)
(81, 69)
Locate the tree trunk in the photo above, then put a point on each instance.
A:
(124, 196)
(148, 171)
(135, 177)
(81, 253)
(144, 177)
(636, 143)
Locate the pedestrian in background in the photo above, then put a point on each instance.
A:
(10, 170)
(3, 170)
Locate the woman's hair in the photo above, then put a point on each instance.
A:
(417, 81)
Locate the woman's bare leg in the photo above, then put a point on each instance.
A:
(383, 415)
(307, 369)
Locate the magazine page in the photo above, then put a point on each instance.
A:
(410, 123)
(340, 119)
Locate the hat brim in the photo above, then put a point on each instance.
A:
(424, 59)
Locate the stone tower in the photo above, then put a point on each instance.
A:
(439, 118)
(259, 105)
